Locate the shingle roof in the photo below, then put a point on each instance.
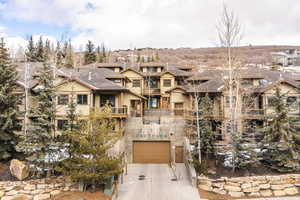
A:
(95, 77)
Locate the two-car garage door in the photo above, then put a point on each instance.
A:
(151, 152)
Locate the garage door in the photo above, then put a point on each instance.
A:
(151, 152)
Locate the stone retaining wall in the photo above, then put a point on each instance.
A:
(39, 189)
(255, 186)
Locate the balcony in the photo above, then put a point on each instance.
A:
(116, 112)
(253, 113)
(152, 91)
(192, 115)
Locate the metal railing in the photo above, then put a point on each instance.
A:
(115, 110)
(151, 90)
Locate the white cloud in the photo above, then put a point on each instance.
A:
(164, 23)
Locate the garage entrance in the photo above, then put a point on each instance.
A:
(151, 152)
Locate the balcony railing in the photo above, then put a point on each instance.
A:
(151, 91)
(253, 113)
(191, 114)
(115, 111)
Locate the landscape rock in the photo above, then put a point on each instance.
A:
(29, 187)
(232, 188)
(11, 193)
(279, 193)
(291, 191)
(266, 193)
(251, 190)
(2, 193)
(55, 192)
(277, 187)
(219, 191)
(265, 186)
(18, 169)
(205, 187)
(42, 197)
(254, 194)
(236, 194)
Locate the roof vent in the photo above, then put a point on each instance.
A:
(90, 76)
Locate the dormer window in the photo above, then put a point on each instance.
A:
(247, 82)
(152, 69)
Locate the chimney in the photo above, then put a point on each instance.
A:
(90, 76)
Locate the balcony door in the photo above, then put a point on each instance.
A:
(108, 99)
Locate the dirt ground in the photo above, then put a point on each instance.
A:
(81, 196)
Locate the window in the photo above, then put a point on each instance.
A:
(247, 82)
(117, 80)
(63, 99)
(152, 83)
(19, 125)
(167, 82)
(271, 101)
(107, 99)
(82, 99)
(228, 100)
(152, 69)
(21, 99)
(292, 102)
(136, 83)
(62, 124)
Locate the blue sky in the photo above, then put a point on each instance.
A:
(122, 24)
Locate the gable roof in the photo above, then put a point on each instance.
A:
(264, 89)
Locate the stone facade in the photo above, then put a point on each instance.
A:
(39, 189)
(255, 186)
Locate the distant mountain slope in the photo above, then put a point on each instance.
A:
(208, 56)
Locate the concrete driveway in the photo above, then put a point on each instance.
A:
(157, 184)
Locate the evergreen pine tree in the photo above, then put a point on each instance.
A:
(157, 58)
(69, 58)
(95, 139)
(8, 104)
(148, 59)
(207, 136)
(282, 151)
(103, 51)
(138, 57)
(59, 55)
(38, 143)
(47, 50)
(31, 50)
(90, 54)
(40, 53)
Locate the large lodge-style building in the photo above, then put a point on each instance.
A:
(154, 103)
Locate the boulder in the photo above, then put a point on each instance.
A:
(252, 189)
(12, 193)
(291, 191)
(219, 191)
(19, 197)
(2, 194)
(277, 187)
(266, 193)
(19, 169)
(218, 185)
(278, 193)
(236, 194)
(232, 188)
(233, 184)
(265, 186)
(55, 192)
(205, 187)
(246, 185)
(30, 187)
(254, 194)
(42, 197)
